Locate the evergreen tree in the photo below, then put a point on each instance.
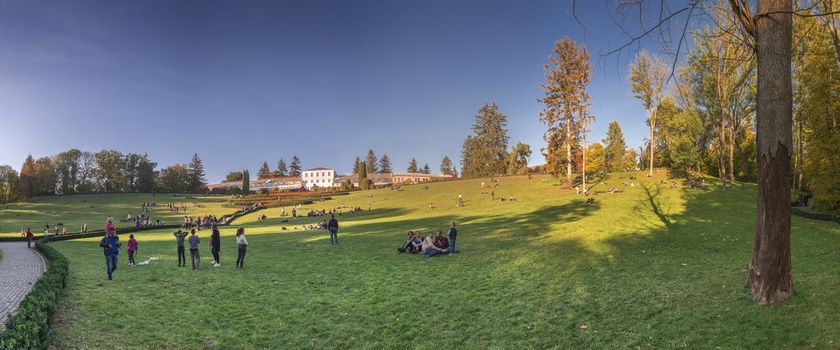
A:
(246, 182)
(385, 164)
(412, 166)
(426, 169)
(357, 165)
(282, 170)
(295, 168)
(487, 155)
(264, 171)
(614, 153)
(446, 166)
(372, 163)
(146, 175)
(197, 182)
(364, 183)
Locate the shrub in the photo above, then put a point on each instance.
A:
(29, 326)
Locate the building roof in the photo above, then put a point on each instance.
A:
(318, 168)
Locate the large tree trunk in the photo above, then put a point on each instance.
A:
(652, 140)
(569, 150)
(722, 148)
(583, 165)
(732, 153)
(769, 274)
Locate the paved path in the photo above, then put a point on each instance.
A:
(20, 268)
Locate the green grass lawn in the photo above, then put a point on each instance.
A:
(651, 267)
(75, 210)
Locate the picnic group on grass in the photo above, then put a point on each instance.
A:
(430, 245)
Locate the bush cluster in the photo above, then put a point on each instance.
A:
(29, 326)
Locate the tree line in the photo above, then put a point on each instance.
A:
(107, 171)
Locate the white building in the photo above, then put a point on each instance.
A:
(321, 177)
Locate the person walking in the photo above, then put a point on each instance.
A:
(242, 246)
(132, 249)
(194, 256)
(110, 244)
(29, 237)
(333, 227)
(453, 235)
(179, 239)
(215, 245)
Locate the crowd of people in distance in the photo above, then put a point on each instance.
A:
(432, 244)
(176, 208)
(199, 222)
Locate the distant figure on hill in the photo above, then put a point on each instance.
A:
(47, 233)
(179, 239)
(460, 200)
(215, 245)
(132, 249)
(333, 227)
(453, 235)
(242, 245)
(195, 257)
(110, 244)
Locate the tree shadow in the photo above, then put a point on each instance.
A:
(653, 204)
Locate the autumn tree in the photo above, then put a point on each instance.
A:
(565, 100)
(647, 80)
(518, 158)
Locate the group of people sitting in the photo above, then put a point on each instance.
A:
(317, 226)
(432, 244)
(200, 222)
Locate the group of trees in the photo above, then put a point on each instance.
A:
(293, 169)
(106, 171)
(373, 164)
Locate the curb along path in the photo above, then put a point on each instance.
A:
(20, 268)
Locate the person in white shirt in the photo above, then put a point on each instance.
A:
(242, 244)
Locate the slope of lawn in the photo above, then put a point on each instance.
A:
(654, 266)
(75, 210)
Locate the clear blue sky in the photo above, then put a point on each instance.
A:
(240, 82)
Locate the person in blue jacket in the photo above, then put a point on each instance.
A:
(110, 244)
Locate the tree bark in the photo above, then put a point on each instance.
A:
(769, 274)
(569, 150)
(732, 152)
(652, 140)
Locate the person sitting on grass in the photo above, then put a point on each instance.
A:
(429, 248)
(441, 241)
(409, 242)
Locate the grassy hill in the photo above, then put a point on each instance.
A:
(75, 210)
(653, 266)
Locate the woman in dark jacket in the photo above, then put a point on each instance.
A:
(215, 245)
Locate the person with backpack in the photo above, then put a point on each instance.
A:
(333, 227)
(215, 245)
(110, 244)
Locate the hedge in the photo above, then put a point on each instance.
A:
(29, 326)
(94, 233)
(815, 215)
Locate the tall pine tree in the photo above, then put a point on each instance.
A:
(282, 170)
(264, 171)
(196, 179)
(372, 163)
(385, 164)
(412, 166)
(295, 167)
(446, 166)
(246, 182)
(614, 153)
(485, 152)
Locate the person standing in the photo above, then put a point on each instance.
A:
(242, 247)
(215, 245)
(132, 249)
(29, 237)
(47, 233)
(194, 256)
(453, 235)
(110, 244)
(333, 227)
(179, 239)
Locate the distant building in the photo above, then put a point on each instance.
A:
(274, 183)
(320, 177)
(416, 178)
(379, 180)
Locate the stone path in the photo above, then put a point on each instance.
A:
(20, 268)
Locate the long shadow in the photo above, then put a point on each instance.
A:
(655, 205)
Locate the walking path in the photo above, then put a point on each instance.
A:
(20, 268)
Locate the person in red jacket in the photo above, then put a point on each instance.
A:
(29, 237)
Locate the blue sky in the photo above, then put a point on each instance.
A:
(240, 82)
